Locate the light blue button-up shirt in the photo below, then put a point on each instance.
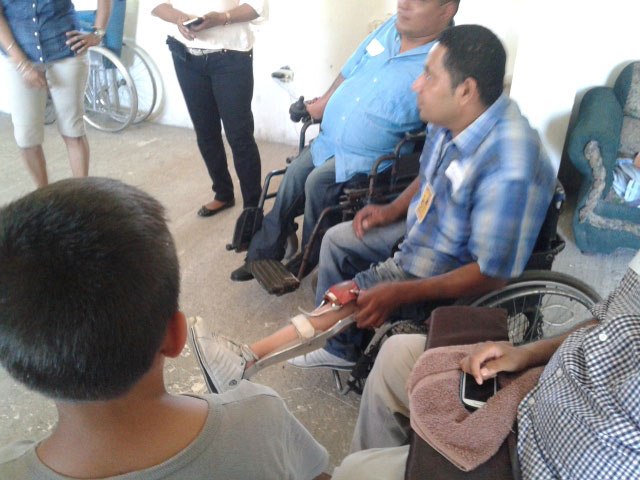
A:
(372, 109)
(40, 26)
(492, 187)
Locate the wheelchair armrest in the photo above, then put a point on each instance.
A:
(461, 325)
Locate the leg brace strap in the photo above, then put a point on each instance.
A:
(303, 326)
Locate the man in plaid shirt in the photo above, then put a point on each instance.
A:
(581, 421)
(470, 219)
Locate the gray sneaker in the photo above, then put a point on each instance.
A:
(222, 360)
(321, 358)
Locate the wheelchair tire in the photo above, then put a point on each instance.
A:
(110, 99)
(541, 303)
(138, 65)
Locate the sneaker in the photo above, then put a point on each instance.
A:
(222, 360)
(321, 358)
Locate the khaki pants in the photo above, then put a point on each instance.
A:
(67, 79)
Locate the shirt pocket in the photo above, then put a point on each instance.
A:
(383, 122)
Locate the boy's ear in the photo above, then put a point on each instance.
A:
(176, 336)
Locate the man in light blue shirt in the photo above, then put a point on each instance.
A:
(364, 114)
(468, 222)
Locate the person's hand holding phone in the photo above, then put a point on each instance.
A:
(184, 23)
(474, 395)
(489, 358)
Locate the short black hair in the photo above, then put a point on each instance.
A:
(475, 51)
(89, 279)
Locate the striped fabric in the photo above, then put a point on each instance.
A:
(582, 421)
(493, 183)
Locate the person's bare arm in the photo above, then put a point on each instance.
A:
(32, 76)
(373, 216)
(316, 106)
(377, 303)
(240, 14)
(490, 358)
(168, 13)
(323, 476)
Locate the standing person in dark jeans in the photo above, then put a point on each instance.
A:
(213, 58)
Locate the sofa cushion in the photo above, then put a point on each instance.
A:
(629, 137)
(632, 105)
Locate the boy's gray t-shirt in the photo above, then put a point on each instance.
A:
(248, 434)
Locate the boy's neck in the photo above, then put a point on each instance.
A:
(143, 428)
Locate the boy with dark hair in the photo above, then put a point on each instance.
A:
(89, 284)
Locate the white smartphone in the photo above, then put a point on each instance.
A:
(474, 396)
(193, 22)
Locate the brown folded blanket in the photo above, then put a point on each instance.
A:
(466, 439)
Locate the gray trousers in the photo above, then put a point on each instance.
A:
(381, 437)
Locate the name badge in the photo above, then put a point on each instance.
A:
(455, 173)
(375, 47)
(425, 202)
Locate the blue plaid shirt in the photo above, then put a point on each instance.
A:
(372, 109)
(39, 27)
(582, 420)
(492, 187)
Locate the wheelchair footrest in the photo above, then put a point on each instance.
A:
(274, 277)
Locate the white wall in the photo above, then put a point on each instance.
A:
(564, 48)
(556, 51)
(499, 16)
(313, 37)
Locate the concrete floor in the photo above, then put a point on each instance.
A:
(164, 162)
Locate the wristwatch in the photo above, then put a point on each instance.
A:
(227, 20)
(99, 32)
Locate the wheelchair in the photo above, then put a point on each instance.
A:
(121, 87)
(539, 303)
(388, 177)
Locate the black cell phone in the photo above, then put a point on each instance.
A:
(474, 396)
(193, 22)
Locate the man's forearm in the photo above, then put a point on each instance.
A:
(538, 353)
(102, 14)
(167, 13)
(334, 86)
(401, 204)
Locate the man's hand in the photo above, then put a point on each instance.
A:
(371, 216)
(490, 358)
(79, 42)
(376, 304)
(316, 107)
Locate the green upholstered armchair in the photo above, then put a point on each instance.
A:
(607, 128)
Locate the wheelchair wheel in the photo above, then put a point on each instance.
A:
(138, 66)
(541, 303)
(110, 99)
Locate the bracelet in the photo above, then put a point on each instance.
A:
(99, 32)
(228, 18)
(23, 67)
(10, 46)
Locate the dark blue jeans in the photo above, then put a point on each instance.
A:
(218, 89)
